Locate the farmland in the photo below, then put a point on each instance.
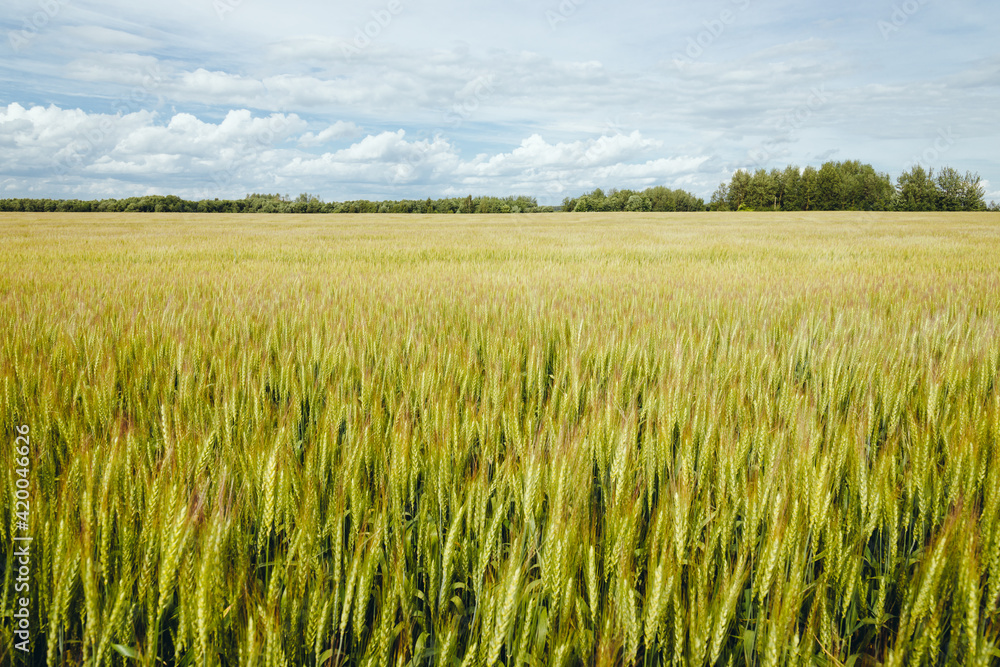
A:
(482, 440)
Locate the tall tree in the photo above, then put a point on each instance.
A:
(808, 188)
(720, 198)
(973, 193)
(950, 190)
(762, 192)
(917, 190)
(829, 187)
(739, 190)
(791, 189)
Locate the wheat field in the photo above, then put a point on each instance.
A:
(504, 440)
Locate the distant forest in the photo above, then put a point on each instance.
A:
(277, 203)
(850, 186)
(835, 186)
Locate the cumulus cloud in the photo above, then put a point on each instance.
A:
(247, 152)
(41, 138)
(608, 161)
(339, 130)
(387, 160)
(535, 152)
(72, 144)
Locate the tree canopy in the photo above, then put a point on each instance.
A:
(849, 186)
(657, 198)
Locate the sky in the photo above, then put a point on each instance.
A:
(392, 99)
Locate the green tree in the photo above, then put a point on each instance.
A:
(791, 189)
(762, 191)
(809, 188)
(829, 181)
(637, 202)
(973, 193)
(739, 190)
(917, 190)
(720, 198)
(950, 190)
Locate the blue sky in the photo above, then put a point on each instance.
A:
(414, 98)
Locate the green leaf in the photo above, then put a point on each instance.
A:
(126, 651)
(459, 605)
(542, 630)
(748, 639)
(418, 650)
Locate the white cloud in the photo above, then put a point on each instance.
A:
(149, 164)
(71, 144)
(534, 152)
(608, 161)
(384, 161)
(42, 136)
(246, 152)
(339, 130)
(220, 86)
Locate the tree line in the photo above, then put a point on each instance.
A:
(850, 186)
(277, 203)
(652, 199)
(835, 186)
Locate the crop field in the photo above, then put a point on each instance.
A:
(566, 439)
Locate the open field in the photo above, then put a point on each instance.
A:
(547, 439)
